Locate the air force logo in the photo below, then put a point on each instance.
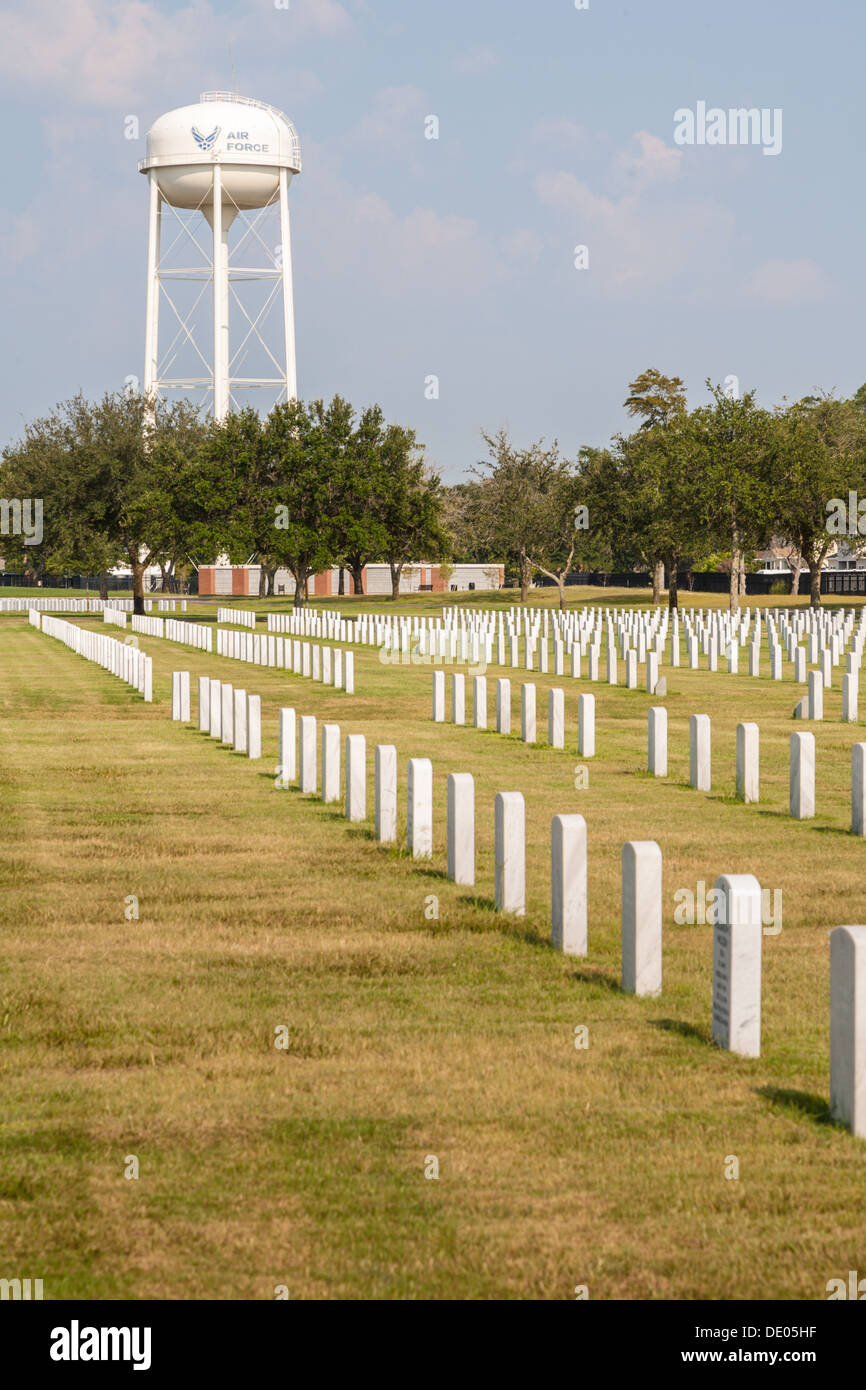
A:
(205, 142)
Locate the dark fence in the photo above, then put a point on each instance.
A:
(115, 583)
(717, 582)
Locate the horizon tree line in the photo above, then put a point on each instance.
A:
(128, 480)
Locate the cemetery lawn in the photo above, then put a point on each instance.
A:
(410, 1037)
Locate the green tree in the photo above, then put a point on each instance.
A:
(819, 455)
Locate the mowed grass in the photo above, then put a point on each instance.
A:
(410, 1036)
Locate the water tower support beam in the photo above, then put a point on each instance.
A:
(151, 330)
(220, 301)
(288, 291)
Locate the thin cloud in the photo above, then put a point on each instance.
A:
(786, 283)
(474, 62)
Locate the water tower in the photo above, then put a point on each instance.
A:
(224, 156)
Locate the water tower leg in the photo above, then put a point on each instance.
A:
(220, 302)
(151, 327)
(288, 293)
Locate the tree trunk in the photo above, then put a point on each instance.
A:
(658, 580)
(562, 593)
(525, 572)
(673, 591)
(341, 582)
(796, 570)
(815, 585)
(138, 568)
(103, 586)
(734, 586)
(743, 589)
(263, 580)
(357, 570)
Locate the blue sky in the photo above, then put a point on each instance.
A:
(455, 256)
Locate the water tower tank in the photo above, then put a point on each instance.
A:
(251, 141)
(224, 155)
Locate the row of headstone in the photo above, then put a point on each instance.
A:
(241, 617)
(329, 665)
(191, 634)
(812, 705)
(480, 639)
(126, 662)
(174, 630)
(310, 622)
(148, 627)
(737, 913)
(117, 616)
(528, 719)
(67, 605)
(224, 712)
(171, 605)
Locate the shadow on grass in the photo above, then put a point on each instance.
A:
(809, 822)
(814, 1107)
(592, 975)
(685, 1030)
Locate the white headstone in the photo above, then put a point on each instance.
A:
(461, 827)
(510, 852)
(204, 704)
(438, 711)
(849, 698)
(240, 721)
(386, 793)
(826, 668)
(216, 706)
(657, 733)
(307, 779)
(356, 777)
(816, 695)
(254, 726)
(848, 1028)
(652, 672)
(568, 905)
(458, 698)
(800, 665)
(748, 762)
(737, 941)
(642, 917)
(556, 718)
(586, 726)
(419, 818)
(503, 706)
(802, 776)
(479, 701)
(527, 712)
(700, 758)
(858, 789)
(228, 734)
(288, 746)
